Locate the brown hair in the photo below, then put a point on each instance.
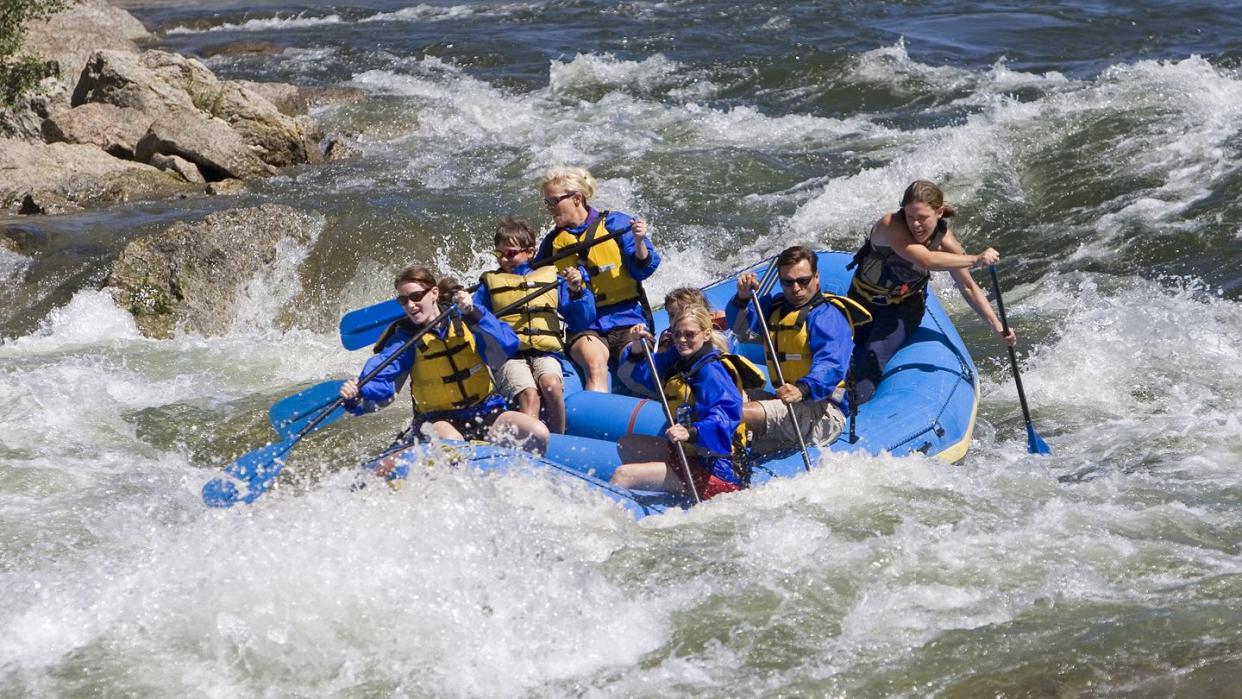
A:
(702, 318)
(793, 255)
(447, 287)
(686, 296)
(417, 274)
(514, 231)
(927, 192)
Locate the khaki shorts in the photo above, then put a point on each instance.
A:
(521, 373)
(821, 423)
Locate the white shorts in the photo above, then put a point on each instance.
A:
(521, 373)
(821, 423)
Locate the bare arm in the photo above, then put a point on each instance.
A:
(892, 231)
(976, 298)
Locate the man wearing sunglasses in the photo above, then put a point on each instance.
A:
(813, 335)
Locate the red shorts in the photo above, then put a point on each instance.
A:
(706, 484)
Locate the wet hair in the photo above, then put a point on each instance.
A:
(793, 255)
(573, 179)
(927, 192)
(703, 319)
(515, 232)
(417, 274)
(686, 296)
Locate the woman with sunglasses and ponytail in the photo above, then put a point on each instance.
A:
(449, 369)
(891, 273)
(616, 267)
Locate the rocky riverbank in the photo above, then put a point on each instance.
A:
(123, 122)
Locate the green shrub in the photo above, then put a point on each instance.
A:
(20, 74)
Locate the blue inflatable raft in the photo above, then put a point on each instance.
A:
(926, 402)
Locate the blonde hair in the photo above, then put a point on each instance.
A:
(702, 318)
(573, 179)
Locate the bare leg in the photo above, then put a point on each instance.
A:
(445, 430)
(528, 402)
(517, 429)
(650, 475)
(552, 390)
(590, 353)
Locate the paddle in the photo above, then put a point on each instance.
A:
(769, 278)
(362, 327)
(257, 469)
(1034, 443)
(290, 415)
(648, 352)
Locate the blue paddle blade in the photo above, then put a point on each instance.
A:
(291, 415)
(1034, 443)
(363, 327)
(248, 477)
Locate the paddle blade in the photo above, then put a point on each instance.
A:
(291, 415)
(1034, 443)
(248, 477)
(363, 327)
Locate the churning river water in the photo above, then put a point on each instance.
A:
(1097, 145)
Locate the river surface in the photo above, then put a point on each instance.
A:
(1097, 145)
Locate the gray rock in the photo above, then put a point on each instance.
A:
(70, 37)
(25, 121)
(123, 79)
(340, 147)
(58, 173)
(224, 187)
(186, 169)
(164, 84)
(217, 150)
(117, 130)
(188, 276)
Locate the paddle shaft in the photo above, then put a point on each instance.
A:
(1013, 356)
(768, 276)
(648, 352)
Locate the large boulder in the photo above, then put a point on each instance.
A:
(123, 79)
(218, 151)
(67, 39)
(164, 84)
(70, 37)
(189, 276)
(115, 129)
(68, 174)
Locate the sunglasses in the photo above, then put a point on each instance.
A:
(414, 297)
(510, 254)
(685, 335)
(551, 202)
(800, 281)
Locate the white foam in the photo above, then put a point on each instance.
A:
(275, 23)
(605, 71)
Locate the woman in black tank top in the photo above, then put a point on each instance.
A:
(891, 272)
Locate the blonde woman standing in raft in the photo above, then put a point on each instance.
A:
(891, 272)
(616, 268)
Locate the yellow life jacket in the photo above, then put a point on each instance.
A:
(537, 324)
(745, 375)
(610, 281)
(791, 336)
(447, 373)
